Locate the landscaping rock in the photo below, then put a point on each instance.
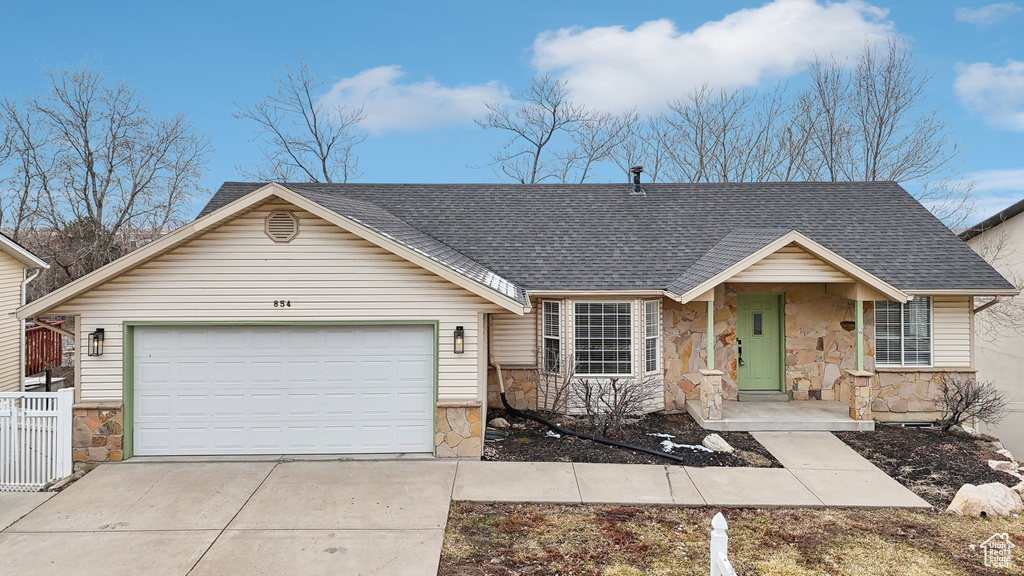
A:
(498, 423)
(1006, 454)
(1019, 489)
(716, 443)
(1003, 466)
(993, 499)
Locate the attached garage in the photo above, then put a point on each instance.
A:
(280, 323)
(283, 389)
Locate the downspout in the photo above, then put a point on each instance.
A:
(995, 300)
(490, 360)
(21, 325)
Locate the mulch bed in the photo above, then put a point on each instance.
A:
(528, 441)
(933, 464)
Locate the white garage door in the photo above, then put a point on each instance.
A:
(203, 390)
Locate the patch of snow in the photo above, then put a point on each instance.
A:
(660, 435)
(669, 446)
(551, 434)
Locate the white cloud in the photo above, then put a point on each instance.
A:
(612, 67)
(986, 15)
(995, 190)
(995, 92)
(391, 104)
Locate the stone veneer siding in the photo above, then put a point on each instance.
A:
(520, 387)
(905, 395)
(97, 433)
(459, 432)
(818, 348)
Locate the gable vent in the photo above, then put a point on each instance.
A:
(282, 226)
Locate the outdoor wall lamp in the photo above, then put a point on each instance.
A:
(96, 342)
(460, 340)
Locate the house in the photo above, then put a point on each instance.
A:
(16, 271)
(1000, 343)
(372, 318)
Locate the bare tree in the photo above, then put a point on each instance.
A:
(734, 136)
(542, 112)
(873, 123)
(963, 399)
(94, 173)
(644, 143)
(823, 111)
(301, 138)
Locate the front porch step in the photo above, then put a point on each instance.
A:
(762, 397)
(796, 416)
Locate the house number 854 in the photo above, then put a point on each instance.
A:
(282, 303)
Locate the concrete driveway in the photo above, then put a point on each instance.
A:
(310, 517)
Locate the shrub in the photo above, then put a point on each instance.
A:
(961, 399)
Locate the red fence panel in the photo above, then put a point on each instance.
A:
(44, 349)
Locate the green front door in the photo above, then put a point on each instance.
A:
(759, 340)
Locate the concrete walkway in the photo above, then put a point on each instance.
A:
(820, 471)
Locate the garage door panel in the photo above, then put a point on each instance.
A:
(320, 389)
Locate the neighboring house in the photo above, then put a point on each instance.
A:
(1000, 343)
(16, 265)
(320, 318)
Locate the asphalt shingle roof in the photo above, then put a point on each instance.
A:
(600, 237)
(735, 246)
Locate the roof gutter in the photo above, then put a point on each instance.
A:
(968, 292)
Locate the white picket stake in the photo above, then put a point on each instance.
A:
(720, 565)
(35, 438)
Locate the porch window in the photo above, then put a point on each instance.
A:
(903, 333)
(604, 338)
(651, 335)
(552, 327)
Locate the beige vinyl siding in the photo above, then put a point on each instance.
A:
(791, 264)
(234, 273)
(515, 339)
(12, 272)
(951, 331)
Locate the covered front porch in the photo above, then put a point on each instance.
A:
(776, 341)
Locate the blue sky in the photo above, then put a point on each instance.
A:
(422, 68)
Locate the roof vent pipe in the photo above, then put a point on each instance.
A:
(637, 190)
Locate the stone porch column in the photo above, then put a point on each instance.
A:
(711, 394)
(860, 394)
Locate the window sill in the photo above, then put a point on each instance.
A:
(925, 369)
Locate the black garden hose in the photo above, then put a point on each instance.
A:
(591, 437)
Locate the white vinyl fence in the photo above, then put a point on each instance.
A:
(35, 439)
(720, 565)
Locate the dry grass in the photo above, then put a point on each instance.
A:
(532, 540)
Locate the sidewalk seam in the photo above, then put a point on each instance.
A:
(576, 477)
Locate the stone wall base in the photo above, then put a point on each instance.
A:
(909, 395)
(520, 388)
(460, 431)
(97, 433)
